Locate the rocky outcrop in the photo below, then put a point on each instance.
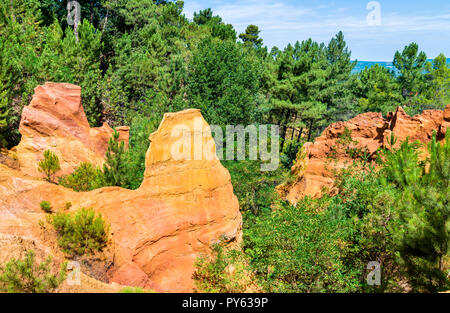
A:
(157, 231)
(341, 142)
(55, 120)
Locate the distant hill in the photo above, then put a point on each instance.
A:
(361, 65)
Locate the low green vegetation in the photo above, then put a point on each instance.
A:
(4, 112)
(49, 165)
(254, 189)
(46, 206)
(81, 232)
(137, 59)
(28, 276)
(134, 290)
(86, 177)
(223, 272)
(397, 214)
(115, 167)
(123, 167)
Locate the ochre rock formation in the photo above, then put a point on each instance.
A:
(157, 231)
(317, 162)
(55, 120)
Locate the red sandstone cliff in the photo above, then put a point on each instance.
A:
(369, 132)
(157, 231)
(55, 120)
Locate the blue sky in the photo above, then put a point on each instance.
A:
(286, 21)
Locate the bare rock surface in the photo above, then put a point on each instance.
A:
(317, 162)
(55, 120)
(157, 231)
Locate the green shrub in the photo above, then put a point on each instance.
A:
(86, 177)
(49, 165)
(423, 233)
(134, 290)
(82, 232)
(296, 249)
(289, 154)
(115, 166)
(140, 130)
(254, 189)
(46, 206)
(223, 272)
(25, 276)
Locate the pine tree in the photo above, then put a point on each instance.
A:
(115, 166)
(27, 276)
(223, 82)
(438, 75)
(297, 94)
(49, 166)
(377, 90)
(410, 63)
(338, 94)
(4, 111)
(203, 17)
(251, 36)
(423, 234)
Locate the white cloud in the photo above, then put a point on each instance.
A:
(282, 22)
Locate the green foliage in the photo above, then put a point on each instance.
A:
(424, 212)
(26, 276)
(134, 290)
(124, 168)
(86, 177)
(138, 59)
(251, 36)
(254, 189)
(46, 206)
(49, 166)
(223, 82)
(138, 144)
(410, 63)
(20, 41)
(289, 153)
(310, 86)
(82, 232)
(438, 77)
(296, 249)
(4, 113)
(223, 272)
(377, 90)
(114, 168)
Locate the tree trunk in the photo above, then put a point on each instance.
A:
(75, 29)
(92, 14)
(300, 135)
(284, 127)
(106, 20)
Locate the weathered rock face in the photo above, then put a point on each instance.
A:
(157, 231)
(369, 132)
(55, 120)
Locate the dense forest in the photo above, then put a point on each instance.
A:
(138, 59)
